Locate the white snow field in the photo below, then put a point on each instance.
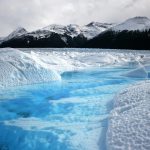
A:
(129, 125)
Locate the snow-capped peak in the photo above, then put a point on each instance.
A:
(89, 31)
(94, 28)
(98, 24)
(18, 32)
(72, 29)
(60, 29)
(136, 23)
(93, 24)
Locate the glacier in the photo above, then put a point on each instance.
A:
(62, 99)
(20, 68)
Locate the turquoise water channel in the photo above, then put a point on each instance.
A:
(71, 114)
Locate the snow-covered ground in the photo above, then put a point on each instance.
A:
(129, 125)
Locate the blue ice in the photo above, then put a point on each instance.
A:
(71, 114)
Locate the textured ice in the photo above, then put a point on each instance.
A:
(67, 60)
(76, 137)
(19, 68)
(129, 125)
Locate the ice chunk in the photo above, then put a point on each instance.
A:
(141, 72)
(19, 68)
(130, 119)
(137, 73)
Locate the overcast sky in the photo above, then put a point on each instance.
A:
(34, 14)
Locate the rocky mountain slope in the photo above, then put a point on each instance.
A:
(134, 33)
(55, 36)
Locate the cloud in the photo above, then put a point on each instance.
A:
(34, 14)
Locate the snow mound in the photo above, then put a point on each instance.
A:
(136, 23)
(19, 68)
(130, 119)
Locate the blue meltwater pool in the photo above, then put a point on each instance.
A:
(71, 114)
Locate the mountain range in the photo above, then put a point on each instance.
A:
(133, 33)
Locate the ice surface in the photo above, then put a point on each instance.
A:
(142, 71)
(67, 60)
(19, 68)
(137, 73)
(72, 114)
(73, 118)
(129, 125)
